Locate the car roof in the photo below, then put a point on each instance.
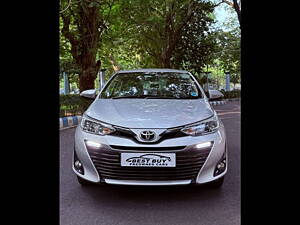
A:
(152, 70)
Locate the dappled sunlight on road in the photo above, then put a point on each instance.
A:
(225, 113)
(231, 111)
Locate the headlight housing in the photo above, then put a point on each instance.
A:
(90, 125)
(204, 127)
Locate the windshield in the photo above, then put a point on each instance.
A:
(152, 85)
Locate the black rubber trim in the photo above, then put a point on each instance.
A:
(118, 147)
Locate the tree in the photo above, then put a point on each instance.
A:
(197, 42)
(82, 25)
(159, 26)
(235, 78)
(119, 48)
(228, 53)
(116, 35)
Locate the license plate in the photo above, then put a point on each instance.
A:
(148, 159)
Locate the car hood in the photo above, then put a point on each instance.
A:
(149, 113)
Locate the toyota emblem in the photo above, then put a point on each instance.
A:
(147, 135)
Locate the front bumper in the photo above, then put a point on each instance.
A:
(94, 170)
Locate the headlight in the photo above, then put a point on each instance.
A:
(95, 127)
(208, 126)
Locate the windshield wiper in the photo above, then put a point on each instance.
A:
(145, 96)
(161, 97)
(130, 96)
(152, 97)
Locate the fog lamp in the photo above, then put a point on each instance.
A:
(78, 167)
(221, 166)
(77, 164)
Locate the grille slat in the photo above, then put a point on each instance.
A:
(188, 164)
(104, 159)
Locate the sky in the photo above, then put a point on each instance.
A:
(223, 15)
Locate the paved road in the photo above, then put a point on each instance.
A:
(122, 205)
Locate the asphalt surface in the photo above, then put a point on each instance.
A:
(184, 205)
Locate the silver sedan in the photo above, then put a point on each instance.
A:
(150, 127)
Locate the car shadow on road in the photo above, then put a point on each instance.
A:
(156, 194)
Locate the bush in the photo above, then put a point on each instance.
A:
(71, 105)
(231, 94)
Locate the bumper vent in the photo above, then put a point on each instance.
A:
(188, 164)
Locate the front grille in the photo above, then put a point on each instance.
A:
(124, 132)
(188, 164)
(168, 134)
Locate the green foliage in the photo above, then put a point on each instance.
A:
(229, 50)
(235, 78)
(202, 79)
(162, 31)
(145, 33)
(231, 94)
(71, 105)
(197, 43)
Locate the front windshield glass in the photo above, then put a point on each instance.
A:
(152, 85)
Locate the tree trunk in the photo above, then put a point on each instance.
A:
(86, 81)
(89, 70)
(84, 44)
(88, 27)
(166, 59)
(238, 11)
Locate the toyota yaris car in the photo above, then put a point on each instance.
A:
(150, 127)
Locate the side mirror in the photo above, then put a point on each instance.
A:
(215, 94)
(91, 93)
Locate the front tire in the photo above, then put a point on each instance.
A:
(217, 183)
(83, 182)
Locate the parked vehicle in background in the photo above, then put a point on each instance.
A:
(72, 92)
(150, 127)
(75, 92)
(215, 94)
